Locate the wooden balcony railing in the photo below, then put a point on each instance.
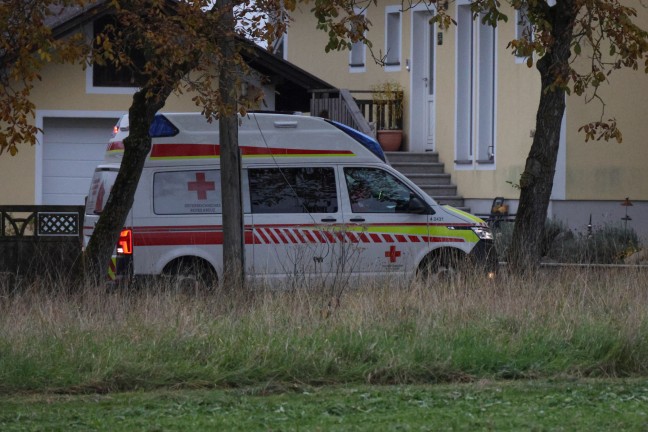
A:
(358, 109)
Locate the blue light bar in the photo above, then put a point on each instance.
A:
(162, 127)
(367, 142)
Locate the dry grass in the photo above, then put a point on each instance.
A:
(567, 322)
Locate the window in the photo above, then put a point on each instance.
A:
(372, 190)
(109, 75)
(523, 30)
(293, 190)
(358, 54)
(280, 48)
(187, 192)
(392, 37)
(476, 89)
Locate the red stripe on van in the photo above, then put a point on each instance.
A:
(274, 151)
(311, 238)
(289, 235)
(446, 239)
(319, 236)
(207, 150)
(182, 150)
(178, 238)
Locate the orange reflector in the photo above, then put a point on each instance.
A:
(125, 243)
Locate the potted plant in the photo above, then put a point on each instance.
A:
(388, 104)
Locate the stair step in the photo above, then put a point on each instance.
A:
(454, 201)
(423, 180)
(428, 173)
(408, 168)
(401, 157)
(440, 190)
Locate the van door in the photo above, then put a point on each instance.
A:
(386, 218)
(295, 215)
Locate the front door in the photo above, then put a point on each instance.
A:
(423, 83)
(386, 236)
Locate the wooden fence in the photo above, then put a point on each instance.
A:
(39, 241)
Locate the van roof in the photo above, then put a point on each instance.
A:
(188, 138)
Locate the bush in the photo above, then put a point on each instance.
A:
(608, 244)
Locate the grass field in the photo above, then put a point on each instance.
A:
(552, 333)
(592, 405)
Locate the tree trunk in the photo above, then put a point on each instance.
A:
(113, 217)
(233, 238)
(536, 182)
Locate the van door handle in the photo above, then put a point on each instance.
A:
(329, 220)
(357, 219)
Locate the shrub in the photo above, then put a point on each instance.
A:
(608, 244)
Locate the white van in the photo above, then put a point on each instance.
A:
(319, 200)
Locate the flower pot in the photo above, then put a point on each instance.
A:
(390, 140)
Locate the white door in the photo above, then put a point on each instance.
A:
(72, 148)
(423, 83)
(386, 234)
(294, 214)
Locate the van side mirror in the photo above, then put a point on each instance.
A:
(417, 206)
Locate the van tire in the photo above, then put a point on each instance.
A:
(443, 264)
(190, 275)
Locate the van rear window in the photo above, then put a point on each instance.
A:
(293, 190)
(102, 182)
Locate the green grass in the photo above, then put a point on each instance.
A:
(593, 405)
(573, 323)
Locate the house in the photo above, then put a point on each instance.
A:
(77, 109)
(469, 99)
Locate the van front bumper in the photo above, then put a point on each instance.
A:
(484, 255)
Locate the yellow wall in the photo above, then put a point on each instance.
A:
(63, 88)
(594, 170)
(17, 182)
(609, 170)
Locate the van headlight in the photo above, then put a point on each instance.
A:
(484, 233)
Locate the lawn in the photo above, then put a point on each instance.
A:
(563, 350)
(545, 405)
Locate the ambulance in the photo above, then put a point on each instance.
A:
(319, 201)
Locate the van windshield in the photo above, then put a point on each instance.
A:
(102, 183)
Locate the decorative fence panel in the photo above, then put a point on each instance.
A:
(39, 241)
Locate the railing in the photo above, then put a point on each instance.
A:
(39, 240)
(358, 109)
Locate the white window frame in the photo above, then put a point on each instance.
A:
(393, 38)
(360, 50)
(521, 22)
(470, 87)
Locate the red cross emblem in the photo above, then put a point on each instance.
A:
(392, 254)
(201, 186)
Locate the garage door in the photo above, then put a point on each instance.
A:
(72, 148)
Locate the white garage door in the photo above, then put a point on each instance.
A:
(72, 148)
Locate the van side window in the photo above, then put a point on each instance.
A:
(293, 190)
(372, 190)
(187, 192)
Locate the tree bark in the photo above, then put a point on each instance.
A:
(113, 217)
(536, 182)
(230, 156)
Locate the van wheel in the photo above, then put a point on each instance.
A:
(190, 276)
(441, 265)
